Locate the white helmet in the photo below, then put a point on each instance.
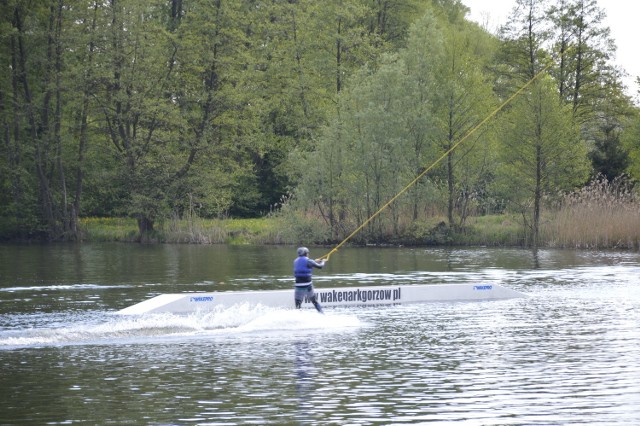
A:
(303, 251)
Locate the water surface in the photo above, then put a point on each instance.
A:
(569, 353)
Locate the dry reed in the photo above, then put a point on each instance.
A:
(602, 215)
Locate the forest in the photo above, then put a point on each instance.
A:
(319, 112)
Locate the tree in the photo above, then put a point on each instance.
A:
(391, 19)
(464, 99)
(310, 52)
(135, 108)
(613, 111)
(86, 21)
(380, 139)
(216, 110)
(541, 152)
(589, 83)
(34, 139)
(631, 140)
(175, 106)
(523, 40)
(585, 47)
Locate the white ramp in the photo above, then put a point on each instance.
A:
(182, 303)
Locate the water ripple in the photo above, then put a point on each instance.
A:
(566, 355)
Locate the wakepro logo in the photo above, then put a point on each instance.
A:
(359, 295)
(201, 299)
(482, 287)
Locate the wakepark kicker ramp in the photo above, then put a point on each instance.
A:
(351, 296)
(185, 303)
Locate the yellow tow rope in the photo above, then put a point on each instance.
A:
(410, 184)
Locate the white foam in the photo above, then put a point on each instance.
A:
(238, 319)
(299, 320)
(62, 287)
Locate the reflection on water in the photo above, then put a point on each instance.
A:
(305, 374)
(567, 354)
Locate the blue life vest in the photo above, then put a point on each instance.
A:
(302, 270)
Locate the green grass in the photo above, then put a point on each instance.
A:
(494, 230)
(574, 226)
(109, 229)
(192, 231)
(500, 230)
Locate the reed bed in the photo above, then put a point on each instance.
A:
(600, 216)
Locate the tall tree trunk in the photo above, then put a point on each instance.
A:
(63, 215)
(450, 172)
(83, 136)
(339, 57)
(176, 14)
(39, 128)
(301, 78)
(14, 151)
(537, 199)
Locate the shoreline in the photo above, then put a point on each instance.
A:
(486, 231)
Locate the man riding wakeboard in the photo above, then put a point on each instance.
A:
(303, 271)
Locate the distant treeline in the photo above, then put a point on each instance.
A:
(317, 111)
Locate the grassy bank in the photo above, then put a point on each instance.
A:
(572, 226)
(603, 215)
(488, 230)
(188, 231)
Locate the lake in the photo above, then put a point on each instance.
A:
(567, 354)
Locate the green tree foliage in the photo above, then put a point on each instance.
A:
(151, 108)
(588, 82)
(464, 98)
(154, 109)
(391, 19)
(631, 141)
(522, 55)
(609, 158)
(584, 47)
(542, 144)
(378, 139)
(216, 114)
(32, 112)
(135, 78)
(398, 119)
(541, 152)
(304, 51)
